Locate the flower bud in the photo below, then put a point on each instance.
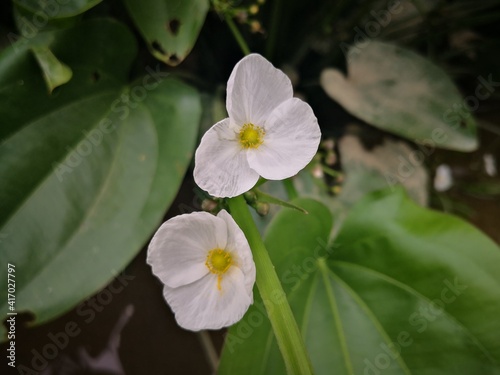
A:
(328, 144)
(330, 158)
(250, 197)
(262, 208)
(254, 9)
(317, 171)
(255, 27)
(208, 205)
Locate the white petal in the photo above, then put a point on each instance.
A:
(254, 89)
(237, 244)
(490, 164)
(178, 251)
(444, 178)
(201, 305)
(291, 141)
(221, 166)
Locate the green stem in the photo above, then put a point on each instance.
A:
(331, 172)
(237, 35)
(279, 312)
(276, 16)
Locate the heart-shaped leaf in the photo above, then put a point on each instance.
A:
(390, 164)
(403, 290)
(169, 27)
(401, 92)
(87, 172)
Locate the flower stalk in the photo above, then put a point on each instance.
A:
(285, 328)
(237, 35)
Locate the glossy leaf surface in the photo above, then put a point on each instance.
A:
(169, 27)
(402, 290)
(89, 171)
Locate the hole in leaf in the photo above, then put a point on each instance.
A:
(157, 47)
(174, 59)
(173, 26)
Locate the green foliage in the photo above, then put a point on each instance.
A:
(399, 91)
(169, 27)
(55, 73)
(94, 144)
(388, 165)
(88, 171)
(402, 290)
(32, 17)
(55, 9)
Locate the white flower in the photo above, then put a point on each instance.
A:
(268, 133)
(207, 267)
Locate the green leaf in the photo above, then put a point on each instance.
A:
(267, 198)
(403, 290)
(34, 16)
(42, 11)
(89, 171)
(54, 71)
(85, 49)
(169, 27)
(390, 164)
(251, 341)
(403, 93)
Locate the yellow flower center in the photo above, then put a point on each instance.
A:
(251, 136)
(218, 262)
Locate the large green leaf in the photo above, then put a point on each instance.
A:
(251, 341)
(85, 49)
(403, 290)
(401, 92)
(169, 27)
(87, 172)
(34, 16)
(390, 164)
(42, 11)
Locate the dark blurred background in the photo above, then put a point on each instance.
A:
(127, 328)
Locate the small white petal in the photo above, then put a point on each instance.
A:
(291, 141)
(177, 253)
(201, 305)
(221, 166)
(254, 89)
(238, 245)
(490, 164)
(444, 178)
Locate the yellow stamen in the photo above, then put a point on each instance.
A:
(251, 136)
(218, 262)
